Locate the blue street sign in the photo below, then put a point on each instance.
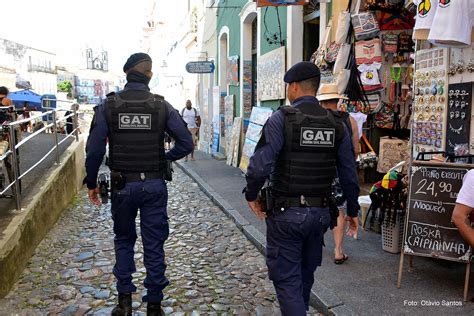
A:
(200, 67)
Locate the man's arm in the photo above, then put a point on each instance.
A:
(266, 152)
(346, 169)
(355, 136)
(96, 144)
(460, 218)
(177, 129)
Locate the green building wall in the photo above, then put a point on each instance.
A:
(228, 15)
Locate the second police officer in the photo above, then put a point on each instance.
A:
(135, 121)
(301, 149)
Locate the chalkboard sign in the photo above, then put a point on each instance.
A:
(433, 192)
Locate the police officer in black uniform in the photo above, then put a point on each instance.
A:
(300, 150)
(135, 121)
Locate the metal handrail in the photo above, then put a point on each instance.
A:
(14, 146)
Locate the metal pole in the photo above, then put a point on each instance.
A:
(15, 167)
(75, 124)
(55, 137)
(466, 280)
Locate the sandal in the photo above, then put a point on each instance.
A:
(342, 260)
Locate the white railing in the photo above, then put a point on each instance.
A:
(11, 130)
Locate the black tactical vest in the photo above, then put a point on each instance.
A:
(307, 163)
(136, 121)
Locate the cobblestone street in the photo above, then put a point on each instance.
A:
(212, 267)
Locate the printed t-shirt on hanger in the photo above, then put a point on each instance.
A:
(370, 74)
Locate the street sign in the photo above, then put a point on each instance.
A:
(200, 67)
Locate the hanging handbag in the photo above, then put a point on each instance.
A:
(319, 56)
(342, 79)
(364, 23)
(368, 52)
(332, 52)
(388, 5)
(342, 58)
(385, 117)
(343, 24)
(395, 21)
(390, 43)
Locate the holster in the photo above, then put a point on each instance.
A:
(267, 200)
(117, 180)
(168, 174)
(333, 211)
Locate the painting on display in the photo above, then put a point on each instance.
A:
(247, 88)
(233, 71)
(215, 134)
(234, 144)
(271, 69)
(275, 3)
(258, 118)
(229, 110)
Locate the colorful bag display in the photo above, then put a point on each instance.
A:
(374, 102)
(390, 5)
(390, 43)
(365, 24)
(385, 117)
(331, 52)
(395, 21)
(368, 52)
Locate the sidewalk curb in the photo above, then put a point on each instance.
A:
(323, 298)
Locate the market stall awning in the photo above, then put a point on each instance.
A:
(22, 96)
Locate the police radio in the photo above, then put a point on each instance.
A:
(104, 187)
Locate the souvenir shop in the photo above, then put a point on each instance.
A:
(407, 68)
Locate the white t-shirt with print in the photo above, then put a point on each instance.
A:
(452, 24)
(189, 116)
(424, 15)
(466, 195)
(370, 74)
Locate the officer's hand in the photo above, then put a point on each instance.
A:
(353, 226)
(256, 207)
(94, 196)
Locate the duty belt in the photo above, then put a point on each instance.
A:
(142, 176)
(285, 202)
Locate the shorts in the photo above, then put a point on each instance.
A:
(194, 132)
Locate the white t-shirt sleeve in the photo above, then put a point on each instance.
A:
(466, 195)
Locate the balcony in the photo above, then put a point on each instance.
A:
(37, 68)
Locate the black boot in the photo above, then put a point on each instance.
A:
(124, 306)
(154, 309)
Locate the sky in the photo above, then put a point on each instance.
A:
(67, 27)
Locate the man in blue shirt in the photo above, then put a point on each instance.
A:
(300, 150)
(134, 122)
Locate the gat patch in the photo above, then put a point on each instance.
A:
(134, 121)
(317, 137)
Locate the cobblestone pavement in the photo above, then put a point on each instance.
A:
(212, 267)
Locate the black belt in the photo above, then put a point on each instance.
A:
(141, 176)
(296, 202)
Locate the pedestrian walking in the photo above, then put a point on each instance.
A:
(193, 120)
(329, 98)
(301, 148)
(135, 121)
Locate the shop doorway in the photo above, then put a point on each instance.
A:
(310, 38)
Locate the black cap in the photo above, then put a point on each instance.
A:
(135, 59)
(302, 71)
